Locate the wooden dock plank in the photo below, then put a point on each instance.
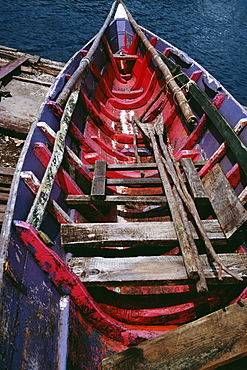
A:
(148, 270)
(212, 341)
(227, 206)
(134, 234)
(11, 67)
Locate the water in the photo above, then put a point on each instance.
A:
(213, 32)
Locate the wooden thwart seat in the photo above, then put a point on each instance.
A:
(130, 234)
(214, 190)
(74, 200)
(150, 270)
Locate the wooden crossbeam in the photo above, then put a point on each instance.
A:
(131, 234)
(212, 341)
(72, 200)
(227, 206)
(154, 270)
(136, 166)
(142, 181)
(125, 56)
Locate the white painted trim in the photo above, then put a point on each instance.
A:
(120, 12)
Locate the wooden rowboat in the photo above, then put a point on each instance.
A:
(126, 217)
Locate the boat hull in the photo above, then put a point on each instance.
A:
(52, 319)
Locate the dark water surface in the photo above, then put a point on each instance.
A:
(213, 32)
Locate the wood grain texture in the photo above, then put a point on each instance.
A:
(194, 182)
(205, 344)
(11, 66)
(99, 180)
(151, 270)
(118, 199)
(227, 206)
(131, 234)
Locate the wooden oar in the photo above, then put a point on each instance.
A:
(174, 171)
(138, 159)
(171, 83)
(186, 242)
(37, 210)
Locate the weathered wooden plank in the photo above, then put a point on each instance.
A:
(2, 208)
(14, 126)
(227, 206)
(7, 48)
(11, 66)
(195, 184)
(32, 80)
(136, 166)
(4, 189)
(118, 199)
(99, 180)
(243, 196)
(131, 234)
(7, 171)
(1, 217)
(4, 197)
(49, 69)
(151, 270)
(212, 341)
(142, 181)
(125, 56)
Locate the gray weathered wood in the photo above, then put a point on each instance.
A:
(201, 284)
(136, 166)
(2, 213)
(204, 344)
(227, 207)
(6, 176)
(142, 181)
(118, 199)
(185, 239)
(32, 80)
(151, 270)
(125, 56)
(99, 180)
(37, 210)
(195, 184)
(4, 196)
(11, 67)
(131, 234)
